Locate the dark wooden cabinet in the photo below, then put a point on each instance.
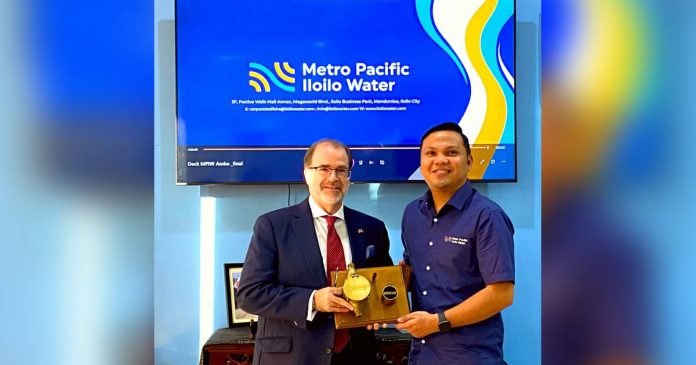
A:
(228, 346)
(392, 346)
(234, 346)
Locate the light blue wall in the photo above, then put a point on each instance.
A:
(177, 212)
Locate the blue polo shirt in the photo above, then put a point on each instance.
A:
(454, 254)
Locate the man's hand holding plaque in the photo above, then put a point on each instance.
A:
(377, 294)
(330, 299)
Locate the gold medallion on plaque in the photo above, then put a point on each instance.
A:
(377, 294)
(356, 288)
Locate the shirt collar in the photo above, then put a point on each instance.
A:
(458, 200)
(318, 212)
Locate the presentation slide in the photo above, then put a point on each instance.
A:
(259, 81)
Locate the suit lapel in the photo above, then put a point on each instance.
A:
(356, 235)
(307, 242)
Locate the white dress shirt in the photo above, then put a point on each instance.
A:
(321, 227)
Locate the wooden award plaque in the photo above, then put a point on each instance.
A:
(387, 299)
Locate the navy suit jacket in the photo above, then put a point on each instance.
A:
(282, 268)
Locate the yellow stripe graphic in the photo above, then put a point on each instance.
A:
(255, 85)
(496, 112)
(281, 74)
(258, 76)
(289, 69)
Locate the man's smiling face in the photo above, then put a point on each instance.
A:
(445, 162)
(329, 190)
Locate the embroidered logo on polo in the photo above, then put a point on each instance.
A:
(457, 240)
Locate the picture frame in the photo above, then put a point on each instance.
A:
(236, 316)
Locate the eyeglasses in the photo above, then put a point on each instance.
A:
(326, 171)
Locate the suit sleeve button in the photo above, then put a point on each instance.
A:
(327, 350)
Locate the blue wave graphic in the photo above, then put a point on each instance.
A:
(424, 10)
(506, 41)
(489, 45)
(509, 131)
(501, 65)
(271, 76)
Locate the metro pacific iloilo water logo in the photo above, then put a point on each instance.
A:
(283, 77)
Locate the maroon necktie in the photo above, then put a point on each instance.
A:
(335, 258)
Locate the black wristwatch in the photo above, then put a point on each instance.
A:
(443, 323)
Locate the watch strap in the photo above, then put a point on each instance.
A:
(443, 324)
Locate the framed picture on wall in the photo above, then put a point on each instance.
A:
(235, 316)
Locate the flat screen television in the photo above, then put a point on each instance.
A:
(258, 81)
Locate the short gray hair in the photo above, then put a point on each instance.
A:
(336, 143)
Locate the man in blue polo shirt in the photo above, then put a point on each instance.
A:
(460, 247)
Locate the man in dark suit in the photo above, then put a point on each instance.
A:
(291, 258)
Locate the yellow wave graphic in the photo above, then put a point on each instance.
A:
(255, 85)
(496, 110)
(282, 74)
(262, 79)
